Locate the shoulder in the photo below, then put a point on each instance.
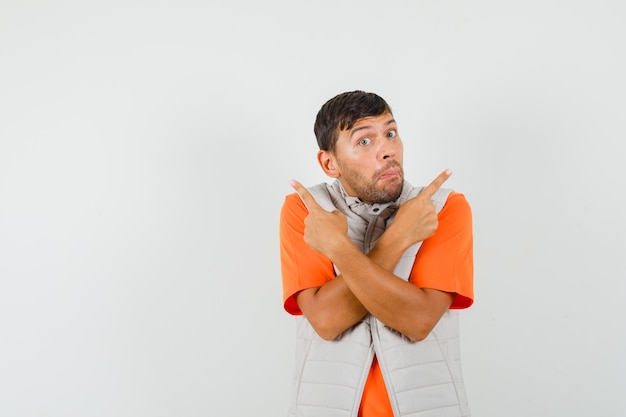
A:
(322, 193)
(455, 218)
(293, 208)
(439, 198)
(456, 205)
(293, 200)
(457, 200)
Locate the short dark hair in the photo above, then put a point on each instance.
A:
(342, 112)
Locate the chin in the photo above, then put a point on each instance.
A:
(388, 194)
(394, 194)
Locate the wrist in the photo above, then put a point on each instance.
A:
(388, 250)
(337, 247)
(394, 239)
(346, 253)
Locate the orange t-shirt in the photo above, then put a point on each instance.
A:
(444, 262)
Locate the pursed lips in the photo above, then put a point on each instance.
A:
(390, 173)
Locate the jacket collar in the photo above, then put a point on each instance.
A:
(384, 210)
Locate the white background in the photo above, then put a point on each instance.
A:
(146, 148)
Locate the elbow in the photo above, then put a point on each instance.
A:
(418, 333)
(325, 331)
(327, 336)
(416, 337)
(325, 327)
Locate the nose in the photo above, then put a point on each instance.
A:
(387, 150)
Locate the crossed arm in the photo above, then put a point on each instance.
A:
(366, 283)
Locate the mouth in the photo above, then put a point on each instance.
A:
(390, 173)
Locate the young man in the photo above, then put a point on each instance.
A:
(374, 269)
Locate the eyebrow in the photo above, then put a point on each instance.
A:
(391, 121)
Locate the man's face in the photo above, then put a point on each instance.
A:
(368, 158)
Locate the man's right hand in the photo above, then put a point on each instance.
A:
(324, 230)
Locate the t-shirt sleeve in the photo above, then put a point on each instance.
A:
(301, 266)
(445, 261)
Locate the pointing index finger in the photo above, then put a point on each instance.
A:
(305, 195)
(432, 188)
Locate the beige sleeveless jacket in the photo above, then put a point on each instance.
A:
(423, 379)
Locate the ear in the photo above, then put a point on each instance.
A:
(328, 163)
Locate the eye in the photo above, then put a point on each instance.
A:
(392, 134)
(364, 141)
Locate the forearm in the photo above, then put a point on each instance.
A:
(399, 304)
(332, 308)
(388, 249)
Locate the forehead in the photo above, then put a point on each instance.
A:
(371, 122)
